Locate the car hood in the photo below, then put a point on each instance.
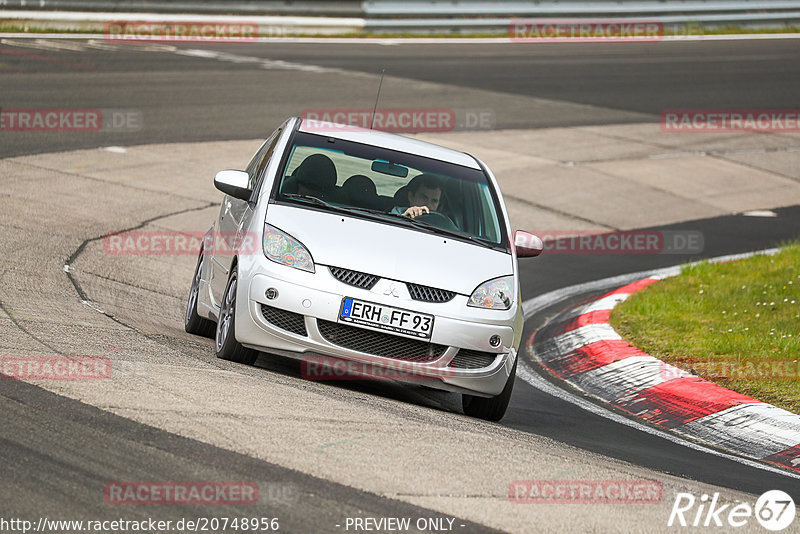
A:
(390, 251)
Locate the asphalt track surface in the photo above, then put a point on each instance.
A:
(58, 455)
(194, 98)
(182, 98)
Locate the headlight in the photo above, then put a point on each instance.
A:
(286, 250)
(497, 294)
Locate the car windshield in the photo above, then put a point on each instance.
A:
(371, 181)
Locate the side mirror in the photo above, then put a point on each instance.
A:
(233, 183)
(527, 244)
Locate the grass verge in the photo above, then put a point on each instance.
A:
(736, 324)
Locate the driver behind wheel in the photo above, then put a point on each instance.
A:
(424, 192)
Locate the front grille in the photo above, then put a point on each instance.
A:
(354, 278)
(429, 294)
(286, 320)
(378, 343)
(472, 359)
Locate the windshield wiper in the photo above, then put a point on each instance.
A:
(310, 198)
(372, 213)
(454, 233)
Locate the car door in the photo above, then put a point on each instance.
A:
(233, 216)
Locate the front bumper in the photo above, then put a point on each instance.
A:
(302, 322)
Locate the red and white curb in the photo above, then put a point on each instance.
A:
(580, 347)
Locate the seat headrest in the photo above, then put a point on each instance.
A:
(361, 191)
(316, 172)
(401, 196)
(359, 184)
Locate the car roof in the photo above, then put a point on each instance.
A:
(389, 141)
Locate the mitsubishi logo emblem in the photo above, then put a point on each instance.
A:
(392, 290)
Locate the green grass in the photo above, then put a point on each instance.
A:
(736, 324)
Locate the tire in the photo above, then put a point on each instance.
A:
(492, 408)
(227, 348)
(192, 322)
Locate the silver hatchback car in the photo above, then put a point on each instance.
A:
(366, 254)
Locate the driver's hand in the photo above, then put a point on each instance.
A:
(416, 211)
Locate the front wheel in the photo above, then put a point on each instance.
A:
(227, 347)
(492, 408)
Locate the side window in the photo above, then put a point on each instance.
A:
(261, 159)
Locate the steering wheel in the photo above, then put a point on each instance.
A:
(439, 219)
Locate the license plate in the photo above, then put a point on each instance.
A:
(386, 318)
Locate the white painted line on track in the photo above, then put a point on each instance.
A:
(760, 213)
(619, 379)
(604, 304)
(585, 335)
(262, 62)
(760, 429)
